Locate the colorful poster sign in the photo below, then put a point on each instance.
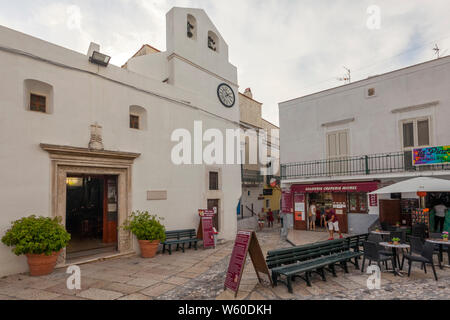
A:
(433, 155)
(208, 232)
(237, 260)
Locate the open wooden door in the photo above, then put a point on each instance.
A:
(390, 211)
(340, 207)
(110, 210)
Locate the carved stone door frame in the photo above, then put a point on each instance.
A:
(72, 160)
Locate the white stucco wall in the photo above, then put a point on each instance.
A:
(93, 94)
(375, 128)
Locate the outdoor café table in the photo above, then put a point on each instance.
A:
(381, 232)
(441, 243)
(394, 247)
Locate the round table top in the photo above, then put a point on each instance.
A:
(438, 241)
(380, 232)
(391, 245)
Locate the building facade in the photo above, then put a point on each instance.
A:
(340, 144)
(257, 194)
(91, 143)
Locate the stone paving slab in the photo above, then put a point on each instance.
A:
(99, 294)
(201, 274)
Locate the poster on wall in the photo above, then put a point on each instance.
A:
(433, 155)
(299, 207)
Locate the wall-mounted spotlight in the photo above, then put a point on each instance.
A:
(99, 58)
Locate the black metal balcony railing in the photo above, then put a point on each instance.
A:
(252, 177)
(355, 165)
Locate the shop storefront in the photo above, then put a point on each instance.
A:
(344, 198)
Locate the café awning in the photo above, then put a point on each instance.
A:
(424, 184)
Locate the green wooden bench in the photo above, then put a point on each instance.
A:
(302, 261)
(180, 238)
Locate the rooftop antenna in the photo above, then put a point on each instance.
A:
(348, 77)
(436, 51)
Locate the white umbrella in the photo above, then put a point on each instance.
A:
(426, 184)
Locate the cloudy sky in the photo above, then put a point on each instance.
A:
(282, 48)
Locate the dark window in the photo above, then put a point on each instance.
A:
(134, 121)
(371, 92)
(213, 181)
(408, 134)
(37, 103)
(423, 132)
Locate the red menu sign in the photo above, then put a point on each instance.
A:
(246, 242)
(208, 232)
(237, 261)
(373, 200)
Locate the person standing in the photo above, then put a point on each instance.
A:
(333, 224)
(439, 216)
(323, 219)
(270, 218)
(312, 216)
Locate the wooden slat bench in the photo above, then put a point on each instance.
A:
(180, 237)
(302, 261)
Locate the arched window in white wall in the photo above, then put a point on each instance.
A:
(138, 117)
(213, 41)
(38, 96)
(191, 27)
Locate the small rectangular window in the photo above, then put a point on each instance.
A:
(134, 121)
(423, 132)
(408, 134)
(37, 103)
(371, 92)
(267, 203)
(213, 180)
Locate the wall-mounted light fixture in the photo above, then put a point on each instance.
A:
(99, 58)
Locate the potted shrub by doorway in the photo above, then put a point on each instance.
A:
(148, 230)
(41, 239)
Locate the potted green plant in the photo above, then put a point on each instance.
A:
(148, 230)
(41, 239)
(396, 241)
(445, 236)
(397, 224)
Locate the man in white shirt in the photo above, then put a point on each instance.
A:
(312, 216)
(439, 217)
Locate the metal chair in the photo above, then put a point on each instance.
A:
(426, 257)
(372, 253)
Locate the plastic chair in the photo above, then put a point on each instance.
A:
(372, 253)
(426, 257)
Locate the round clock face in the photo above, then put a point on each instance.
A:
(226, 95)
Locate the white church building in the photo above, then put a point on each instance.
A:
(90, 142)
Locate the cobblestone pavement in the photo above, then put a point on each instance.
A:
(200, 275)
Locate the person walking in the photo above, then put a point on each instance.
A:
(439, 217)
(312, 216)
(333, 224)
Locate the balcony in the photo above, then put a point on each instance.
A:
(252, 177)
(356, 165)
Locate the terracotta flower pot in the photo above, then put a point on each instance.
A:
(148, 248)
(396, 242)
(40, 264)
